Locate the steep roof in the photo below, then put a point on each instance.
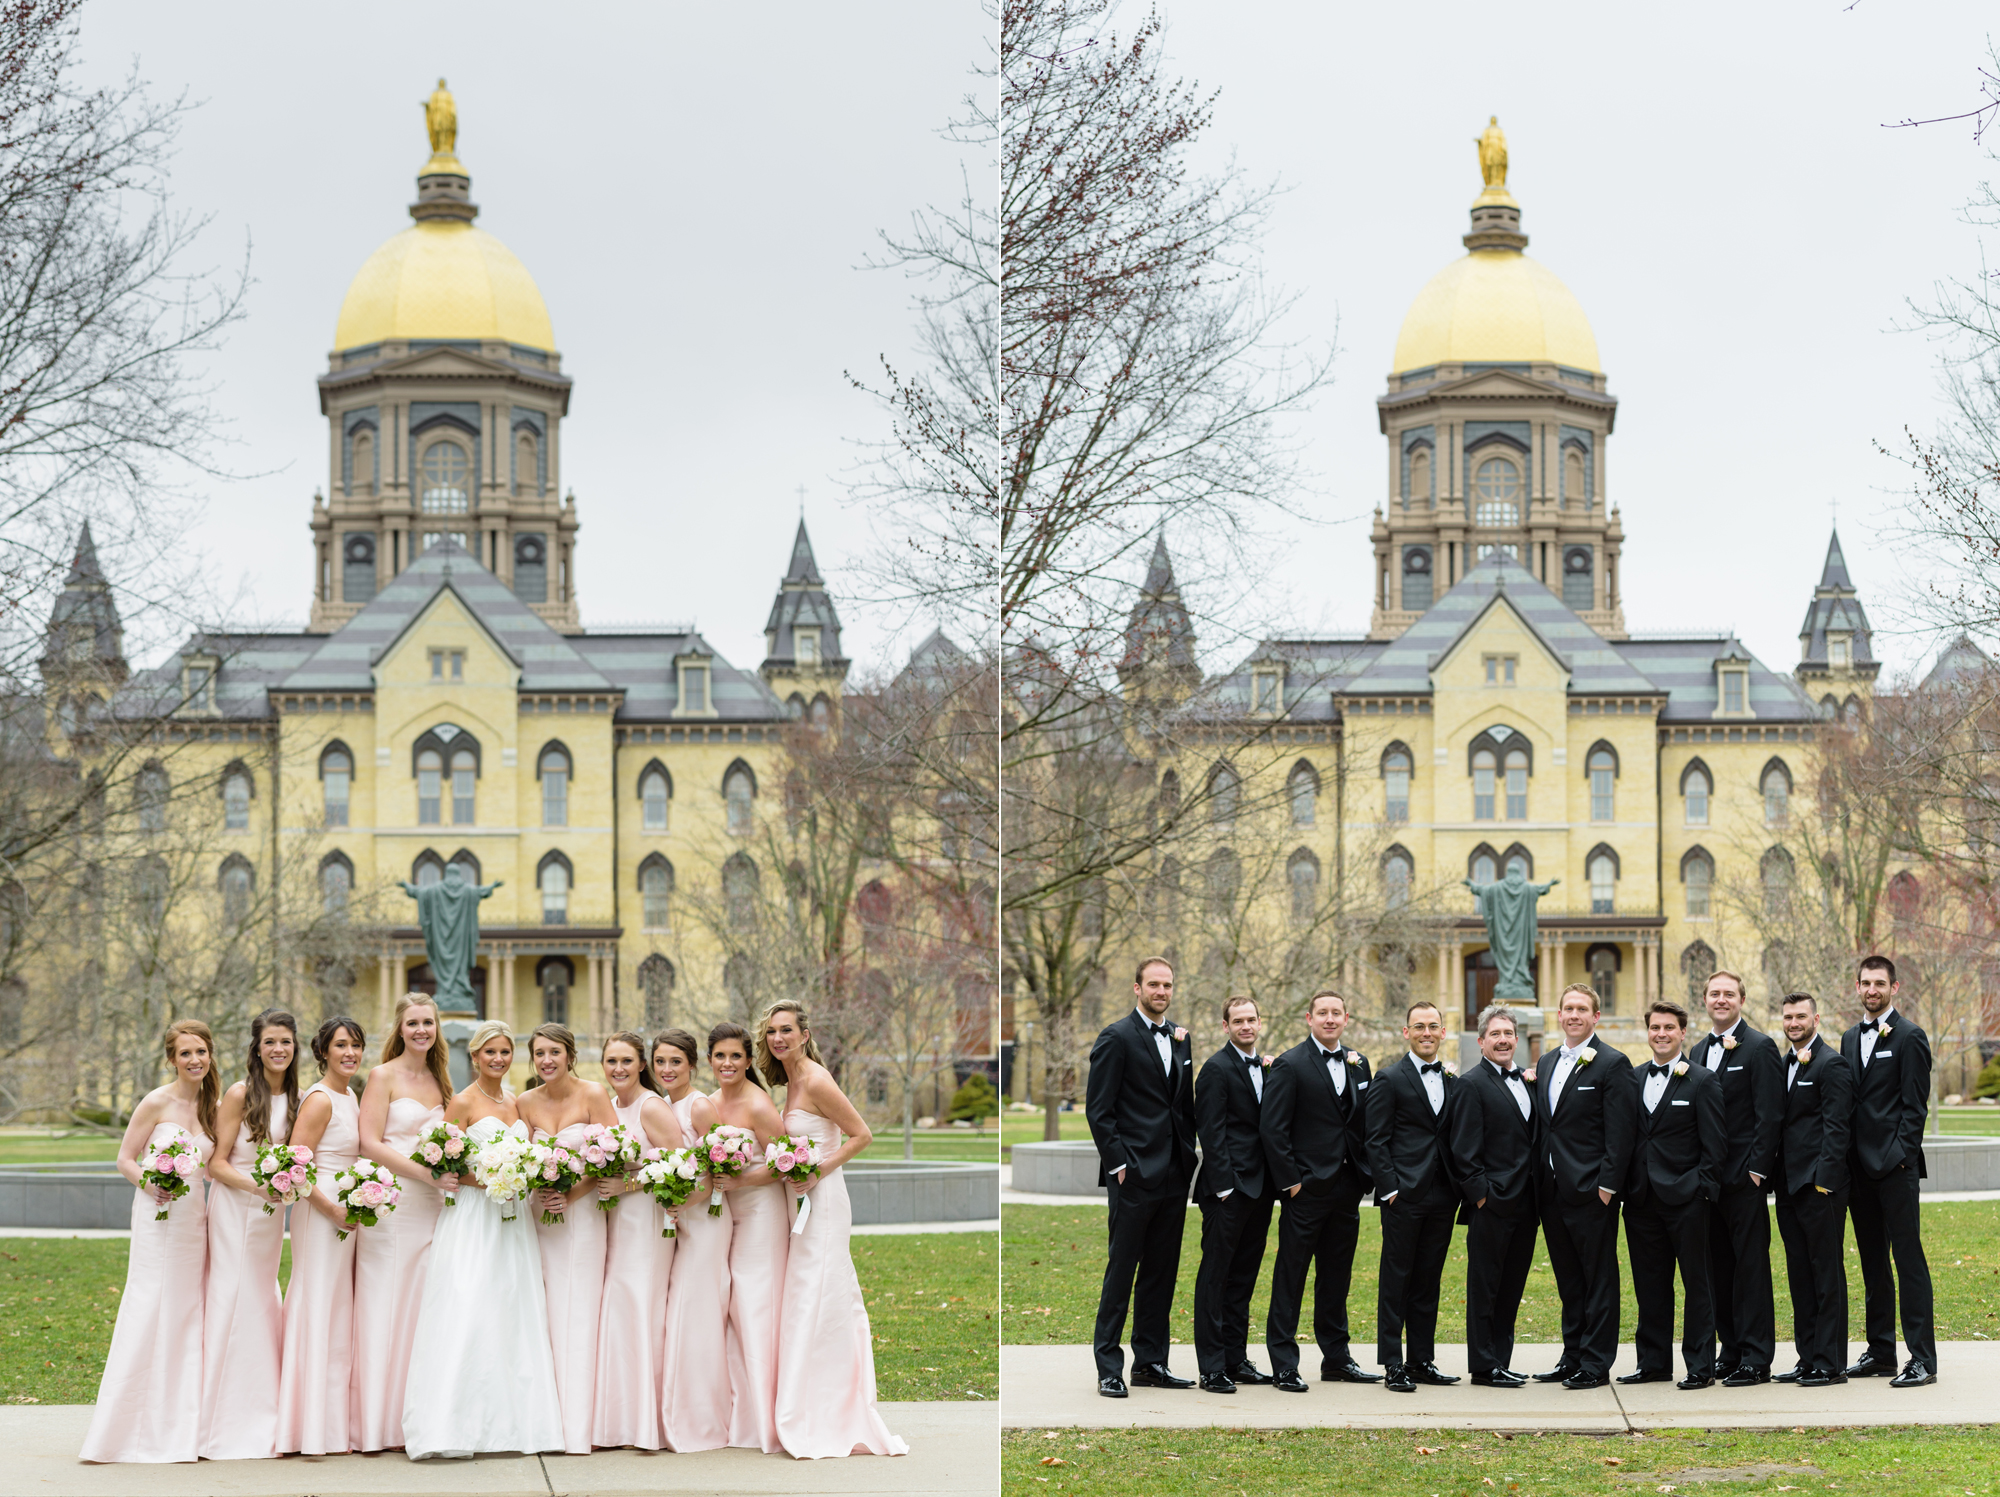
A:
(1685, 669)
(802, 600)
(84, 630)
(1835, 607)
(1159, 635)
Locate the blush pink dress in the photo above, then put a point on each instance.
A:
(826, 1357)
(757, 1251)
(149, 1400)
(573, 1282)
(389, 1263)
(694, 1374)
(243, 1324)
(638, 1265)
(313, 1400)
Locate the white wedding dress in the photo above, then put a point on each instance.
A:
(482, 1377)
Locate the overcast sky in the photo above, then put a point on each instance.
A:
(1714, 183)
(693, 188)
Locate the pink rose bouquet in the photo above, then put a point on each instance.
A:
(725, 1150)
(170, 1170)
(554, 1167)
(443, 1151)
(794, 1158)
(609, 1154)
(286, 1171)
(670, 1176)
(368, 1191)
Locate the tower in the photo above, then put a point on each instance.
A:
(803, 662)
(1159, 660)
(444, 397)
(1837, 665)
(1497, 419)
(83, 652)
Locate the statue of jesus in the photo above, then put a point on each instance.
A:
(441, 120)
(1508, 908)
(1492, 153)
(448, 914)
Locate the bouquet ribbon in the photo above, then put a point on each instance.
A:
(805, 1210)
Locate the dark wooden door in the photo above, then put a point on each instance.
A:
(421, 981)
(1481, 973)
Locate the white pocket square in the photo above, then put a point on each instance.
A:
(1679, 1102)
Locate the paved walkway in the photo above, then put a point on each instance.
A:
(954, 1450)
(1056, 1386)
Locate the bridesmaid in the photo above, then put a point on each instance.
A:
(757, 1246)
(243, 1326)
(694, 1393)
(405, 1098)
(638, 1262)
(826, 1356)
(149, 1401)
(313, 1405)
(559, 1108)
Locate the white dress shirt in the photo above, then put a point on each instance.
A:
(1162, 1043)
(1870, 1036)
(1433, 1082)
(1799, 1054)
(1336, 1066)
(1513, 1085)
(1656, 1085)
(1565, 1063)
(1716, 1051)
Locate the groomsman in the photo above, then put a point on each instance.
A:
(1493, 1160)
(1891, 1058)
(1746, 1061)
(1409, 1117)
(1812, 1178)
(1140, 1105)
(1235, 1200)
(1315, 1156)
(1577, 1181)
(1668, 1133)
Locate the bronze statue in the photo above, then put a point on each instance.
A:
(448, 914)
(441, 119)
(1508, 909)
(1492, 152)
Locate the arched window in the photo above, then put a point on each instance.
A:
(336, 884)
(1904, 897)
(1775, 872)
(467, 864)
(1829, 707)
(1225, 791)
(1497, 490)
(464, 774)
(739, 892)
(1396, 782)
(1602, 962)
(1698, 875)
(149, 794)
(236, 791)
(656, 788)
(1165, 898)
(1519, 857)
(1484, 765)
(446, 469)
(1302, 791)
(1579, 584)
(236, 881)
(656, 984)
(430, 787)
(1777, 785)
(1576, 487)
(1696, 787)
(527, 468)
(1483, 867)
(1222, 879)
(739, 795)
(795, 707)
(1419, 581)
(876, 907)
(739, 986)
(820, 714)
(1517, 785)
(553, 768)
(336, 778)
(1602, 766)
(531, 568)
(1602, 868)
(1302, 873)
(428, 869)
(1420, 476)
(656, 888)
(361, 463)
(1850, 712)
(1696, 963)
(553, 876)
(554, 976)
(1170, 797)
(1399, 872)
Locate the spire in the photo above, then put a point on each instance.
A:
(85, 637)
(444, 186)
(1496, 217)
(1834, 574)
(802, 611)
(1159, 635)
(804, 568)
(1836, 640)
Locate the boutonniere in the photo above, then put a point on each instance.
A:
(1680, 1068)
(1806, 1058)
(1883, 1032)
(1179, 1035)
(1450, 1070)
(1729, 1042)
(1267, 1061)
(1586, 1055)
(1354, 1057)
(1529, 1075)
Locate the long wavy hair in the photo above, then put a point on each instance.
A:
(209, 1096)
(770, 1065)
(728, 1031)
(256, 1089)
(638, 1043)
(434, 1059)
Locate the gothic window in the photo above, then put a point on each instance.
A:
(795, 707)
(1396, 781)
(554, 878)
(446, 473)
(820, 714)
(1775, 873)
(876, 907)
(1777, 786)
(466, 863)
(739, 892)
(1170, 797)
(1519, 857)
(1698, 876)
(1603, 770)
(1302, 791)
(1484, 765)
(1224, 795)
(1517, 785)
(1829, 707)
(1579, 585)
(464, 773)
(1496, 487)
(531, 568)
(1483, 867)
(1419, 582)
(336, 776)
(336, 884)
(553, 767)
(739, 795)
(553, 975)
(1399, 872)
(430, 787)
(150, 792)
(1696, 787)
(527, 469)
(236, 882)
(1602, 868)
(1696, 964)
(655, 790)
(1302, 873)
(236, 798)
(1420, 476)
(656, 984)
(656, 888)
(1904, 897)
(357, 567)
(427, 870)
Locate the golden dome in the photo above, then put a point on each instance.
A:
(1495, 306)
(443, 278)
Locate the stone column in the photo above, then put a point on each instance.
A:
(1444, 975)
(1546, 968)
(386, 965)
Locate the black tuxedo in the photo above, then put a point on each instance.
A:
(1739, 1228)
(1493, 1160)
(1408, 1146)
(1572, 1163)
(1671, 1158)
(1891, 1104)
(1812, 1176)
(1235, 1202)
(1141, 1115)
(1312, 1139)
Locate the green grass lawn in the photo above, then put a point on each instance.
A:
(1026, 1128)
(1968, 1120)
(930, 1296)
(1939, 1462)
(1054, 1265)
(944, 1143)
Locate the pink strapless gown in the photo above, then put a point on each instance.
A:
(638, 1265)
(313, 1399)
(573, 1280)
(757, 1251)
(389, 1264)
(694, 1379)
(243, 1326)
(149, 1400)
(826, 1356)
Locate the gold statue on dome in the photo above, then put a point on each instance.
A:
(1492, 152)
(441, 119)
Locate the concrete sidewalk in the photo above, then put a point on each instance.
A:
(954, 1450)
(1056, 1387)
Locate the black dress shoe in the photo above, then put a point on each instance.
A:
(1643, 1376)
(1556, 1374)
(1427, 1373)
(1915, 1374)
(1819, 1377)
(1346, 1372)
(1111, 1387)
(1216, 1382)
(1155, 1375)
(1869, 1366)
(1580, 1380)
(1695, 1380)
(1246, 1372)
(1399, 1379)
(1797, 1374)
(1747, 1376)
(1290, 1382)
(1499, 1379)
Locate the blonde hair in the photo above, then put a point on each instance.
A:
(1584, 988)
(481, 1035)
(774, 1069)
(434, 1058)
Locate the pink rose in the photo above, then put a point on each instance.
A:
(454, 1148)
(595, 1156)
(186, 1165)
(785, 1162)
(718, 1154)
(302, 1155)
(550, 1170)
(432, 1154)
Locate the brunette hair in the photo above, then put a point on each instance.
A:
(1668, 1006)
(1880, 963)
(322, 1042)
(209, 1094)
(1235, 998)
(681, 1040)
(1152, 961)
(728, 1031)
(562, 1034)
(1411, 1012)
(1325, 993)
(1724, 972)
(638, 1044)
(1791, 998)
(256, 1090)
(773, 1068)
(434, 1059)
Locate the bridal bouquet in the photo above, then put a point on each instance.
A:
(725, 1150)
(669, 1176)
(609, 1154)
(368, 1191)
(794, 1158)
(556, 1167)
(504, 1164)
(170, 1169)
(287, 1171)
(442, 1152)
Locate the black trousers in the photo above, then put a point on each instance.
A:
(1233, 1234)
(1739, 1272)
(1814, 1230)
(1657, 1237)
(1500, 1249)
(1416, 1239)
(1886, 1222)
(1145, 1221)
(1583, 1255)
(1317, 1229)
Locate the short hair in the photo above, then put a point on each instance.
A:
(1235, 998)
(1313, 1003)
(1668, 1006)
(1791, 998)
(1723, 972)
(1139, 976)
(1879, 963)
(1584, 988)
(1494, 1011)
(1410, 1012)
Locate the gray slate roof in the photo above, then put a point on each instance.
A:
(1834, 606)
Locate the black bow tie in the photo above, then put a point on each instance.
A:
(1435, 1065)
(1510, 1073)
(1656, 1069)
(1251, 1061)
(1793, 1059)
(1870, 1024)
(1164, 1031)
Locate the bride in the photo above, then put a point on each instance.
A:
(481, 1374)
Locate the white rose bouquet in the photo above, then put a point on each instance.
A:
(669, 1176)
(505, 1164)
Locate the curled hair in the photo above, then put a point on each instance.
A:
(434, 1058)
(209, 1093)
(487, 1030)
(257, 1089)
(323, 1041)
(638, 1044)
(773, 1068)
(728, 1031)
